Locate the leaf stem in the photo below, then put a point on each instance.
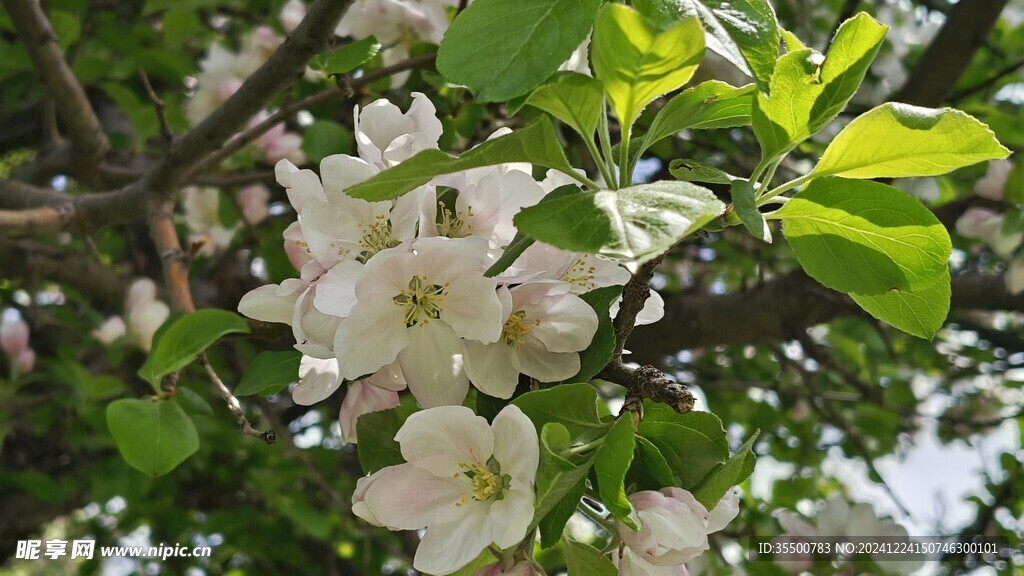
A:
(602, 164)
(606, 146)
(582, 448)
(783, 188)
(624, 174)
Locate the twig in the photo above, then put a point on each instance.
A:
(243, 423)
(650, 383)
(1001, 73)
(175, 261)
(84, 128)
(158, 106)
(634, 295)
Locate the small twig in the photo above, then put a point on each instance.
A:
(634, 295)
(158, 105)
(175, 261)
(236, 408)
(650, 383)
(1001, 73)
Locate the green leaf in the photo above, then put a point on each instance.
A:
(521, 242)
(584, 560)
(743, 32)
(192, 403)
(573, 406)
(611, 462)
(689, 453)
(865, 237)
(704, 422)
(502, 49)
(1014, 188)
(650, 470)
(807, 94)
(153, 436)
(722, 478)
(597, 355)
(696, 171)
(746, 208)
(919, 312)
(376, 431)
(536, 144)
(557, 475)
(897, 140)
(270, 373)
(632, 224)
(67, 27)
(708, 105)
(573, 98)
(553, 523)
(186, 338)
(637, 63)
(324, 138)
(348, 57)
(180, 25)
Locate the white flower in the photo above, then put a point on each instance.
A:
(112, 329)
(469, 483)
(292, 14)
(486, 203)
(544, 328)
(144, 312)
(585, 272)
(985, 225)
(13, 337)
(993, 185)
(385, 136)
(202, 216)
(253, 202)
(414, 303)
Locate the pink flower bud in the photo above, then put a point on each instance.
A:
(253, 200)
(673, 527)
(25, 361)
(14, 337)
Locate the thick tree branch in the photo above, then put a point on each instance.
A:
(947, 57)
(102, 285)
(89, 142)
(18, 195)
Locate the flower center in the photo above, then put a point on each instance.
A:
(514, 332)
(377, 236)
(455, 224)
(422, 301)
(488, 481)
(581, 274)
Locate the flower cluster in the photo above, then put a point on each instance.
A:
(393, 294)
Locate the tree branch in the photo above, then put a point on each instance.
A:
(89, 142)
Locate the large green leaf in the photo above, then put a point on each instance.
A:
(536, 144)
(186, 338)
(742, 31)
(553, 523)
(689, 453)
(919, 312)
(632, 224)
(611, 462)
(597, 355)
(502, 49)
(584, 560)
(723, 477)
(559, 473)
(704, 422)
(573, 98)
(896, 140)
(865, 237)
(574, 406)
(269, 373)
(153, 436)
(806, 93)
(650, 470)
(637, 63)
(708, 105)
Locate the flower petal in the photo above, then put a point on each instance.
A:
(492, 368)
(362, 398)
(516, 446)
(301, 185)
(336, 290)
(537, 362)
(370, 338)
(567, 323)
(432, 364)
(472, 308)
(405, 497)
(447, 547)
(267, 305)
(511, 516)
(318, 379)
(445, 439)
(341, 171)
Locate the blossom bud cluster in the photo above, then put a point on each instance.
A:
(145, 313)
(392, 295)
(14, 335)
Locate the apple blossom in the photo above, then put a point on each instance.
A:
(385, 136)
(486, 204)
(584, 272)
(415, 303)
(112, 329)
(253, 202)
(993, 185)
(545, 327)
(470, 483)
(292, 14)
(13, 337)
(985, 225)
(145, 312)
(202, 216)
(363, 397)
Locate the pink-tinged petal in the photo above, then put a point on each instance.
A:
(312, 327)
(653, 310)
(362, 398)
(492, 368)
(537, 362)
(405, 497)
(445, 439)
(301, 185)
(724, 512)
(267, 305)
(389, 377)
(336, 290)
(567, 323)
(13, 337)
(25, 361)
(359, 507)
(331, 234)
(432, 364)
(341, 171)
(295, 246)
(516, 446)
(424, 117)
(370, 338)
(447, 547)
(472, 308)
(632, 564)
(318, 379)
(510, 517)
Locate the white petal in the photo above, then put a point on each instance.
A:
(725, 511)
(267, 305)
(336, 290)
(537, 362)
(341, 171)
(473, 309)
(567, 323)
(318, 379)
(653, 310)
(405, 497)
(447, 547)
(445, 439)
(492, 368)
(301, 185)
(511, 516)
(370, 338)
(424, 117)
(516, 446)
(432, 364)
(389, 377)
